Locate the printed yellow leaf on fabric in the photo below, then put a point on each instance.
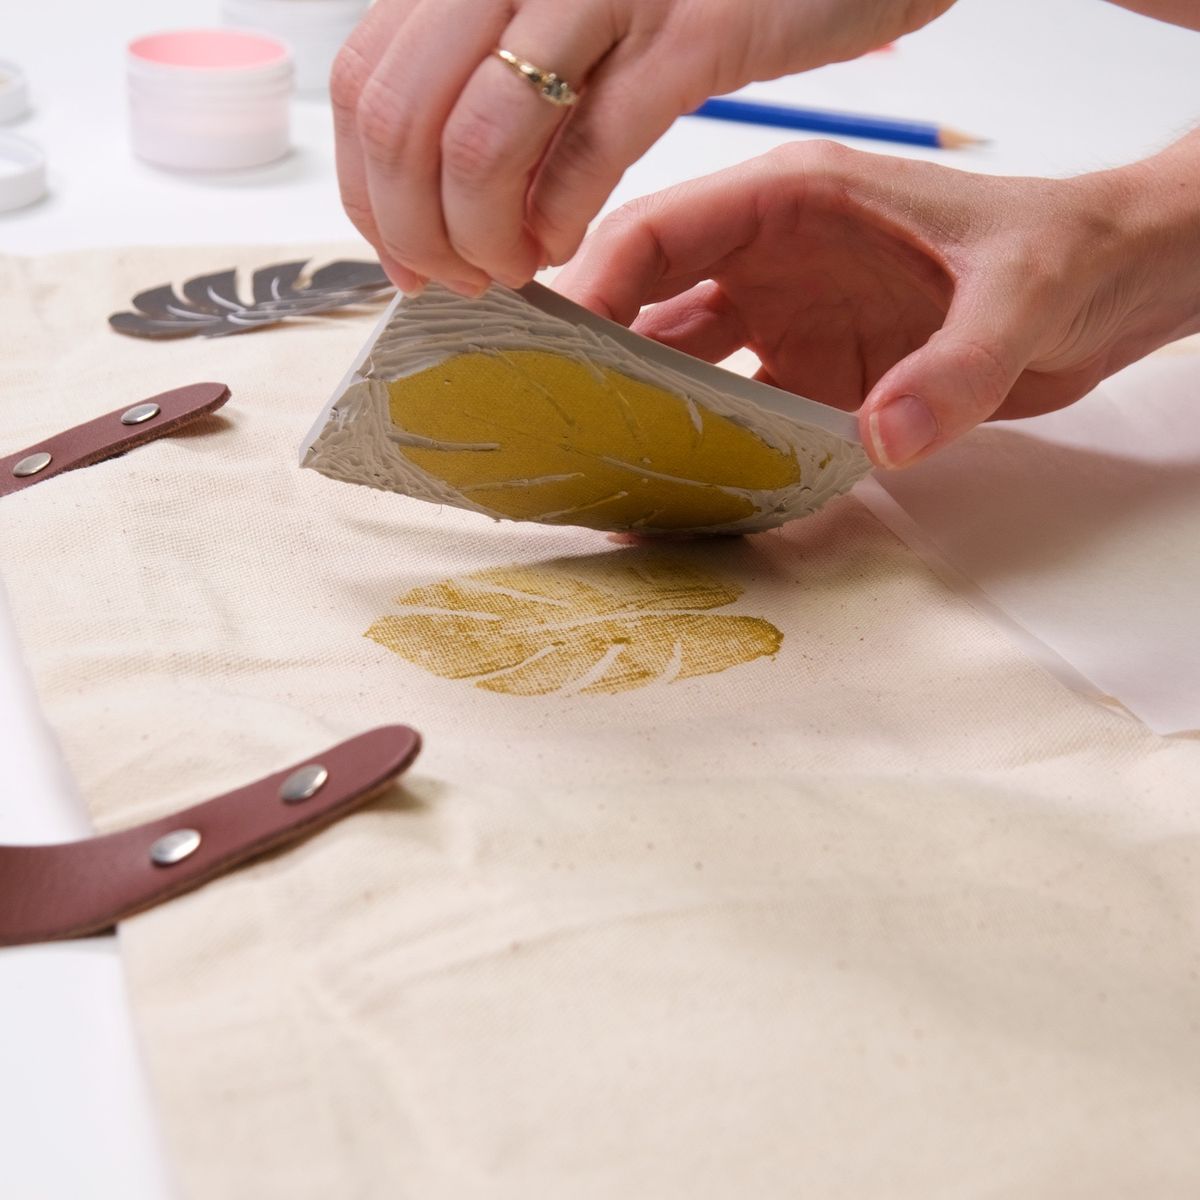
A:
(586, 626)
(533, 435)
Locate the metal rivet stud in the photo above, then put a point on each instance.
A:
(31, 464)
(174, 847)
(303, 784)
(139, 413)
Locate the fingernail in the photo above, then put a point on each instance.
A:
(411, 293)
(402, 280)
(901, 429)
(472, 291)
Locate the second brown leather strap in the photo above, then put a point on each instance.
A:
(62, 891)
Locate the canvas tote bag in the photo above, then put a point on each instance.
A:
(751, 867)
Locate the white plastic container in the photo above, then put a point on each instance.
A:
(315, 30)
(209, 99)
(22, 173)
(14, 92)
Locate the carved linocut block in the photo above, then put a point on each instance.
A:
(526, 407)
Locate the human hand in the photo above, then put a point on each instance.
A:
(456, 170)
(933, 298)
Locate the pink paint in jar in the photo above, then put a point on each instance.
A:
(209, 99)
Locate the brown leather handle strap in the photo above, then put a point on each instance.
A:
(76, 888)
(109, 435)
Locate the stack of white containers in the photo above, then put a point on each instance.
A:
(314, 29)
(22, 164)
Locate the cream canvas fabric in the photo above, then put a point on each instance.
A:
(671, 906)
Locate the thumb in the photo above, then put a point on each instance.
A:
(960, 377)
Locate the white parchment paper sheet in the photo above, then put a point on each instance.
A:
(1083, 528)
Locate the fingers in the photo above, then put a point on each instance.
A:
(666, 243)
(351, 71)
(662, 244)
(932, 220)
(964, 373)
(959, 378)
(400, 116)
(700, 322)
(438, 141)
(500, 128)
(628, 107)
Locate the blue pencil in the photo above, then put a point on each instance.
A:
(814, 120)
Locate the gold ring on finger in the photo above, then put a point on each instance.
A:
(547, 85)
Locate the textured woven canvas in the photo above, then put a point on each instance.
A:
(750, 867)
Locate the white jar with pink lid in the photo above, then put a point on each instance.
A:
(209, 99)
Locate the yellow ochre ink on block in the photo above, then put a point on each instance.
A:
(588, 627)
(536, 436)
(523, 406)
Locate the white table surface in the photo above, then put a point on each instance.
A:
(1061, 86)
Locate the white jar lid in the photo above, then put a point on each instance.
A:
(14, 92)
(22, 172)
